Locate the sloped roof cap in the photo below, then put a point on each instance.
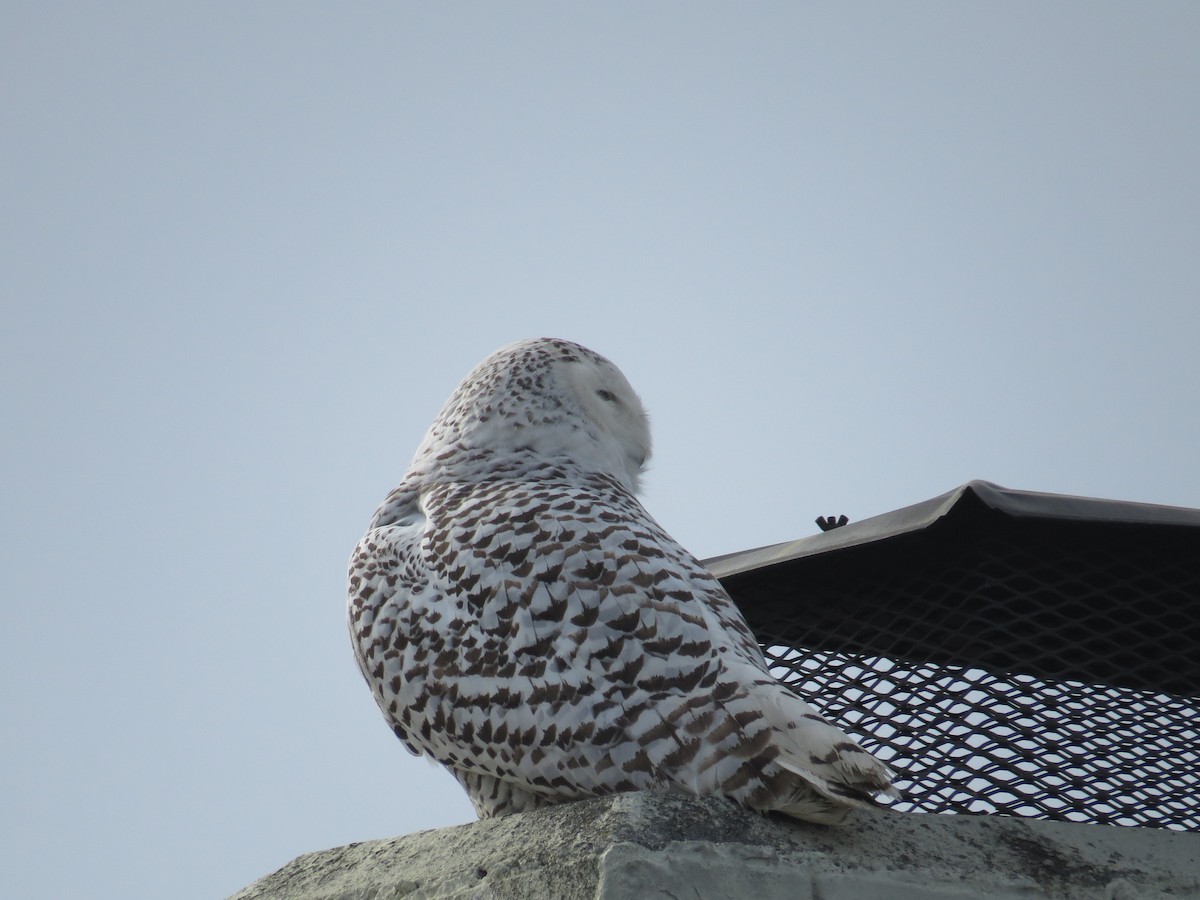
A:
(961, 505)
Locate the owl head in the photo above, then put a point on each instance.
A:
(541, 399)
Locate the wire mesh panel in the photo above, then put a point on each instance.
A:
(1033, 670)
(964, 740)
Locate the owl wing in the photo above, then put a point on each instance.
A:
(554, 637)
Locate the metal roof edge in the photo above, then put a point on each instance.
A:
(919, 516)
(1035, 504)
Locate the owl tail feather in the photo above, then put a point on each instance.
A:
(836, 773)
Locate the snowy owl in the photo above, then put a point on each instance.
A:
(522, 620)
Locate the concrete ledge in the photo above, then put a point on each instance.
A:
(671, 846)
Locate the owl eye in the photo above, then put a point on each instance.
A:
(607, 396)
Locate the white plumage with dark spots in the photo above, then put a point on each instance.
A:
(521, 618)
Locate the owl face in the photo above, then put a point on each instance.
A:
(609, 402)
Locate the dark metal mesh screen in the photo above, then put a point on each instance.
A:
(1030, 670)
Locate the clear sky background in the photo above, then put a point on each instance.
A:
(851, 255)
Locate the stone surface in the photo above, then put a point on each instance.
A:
(671, 846)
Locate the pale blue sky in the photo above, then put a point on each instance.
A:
(851, 254)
